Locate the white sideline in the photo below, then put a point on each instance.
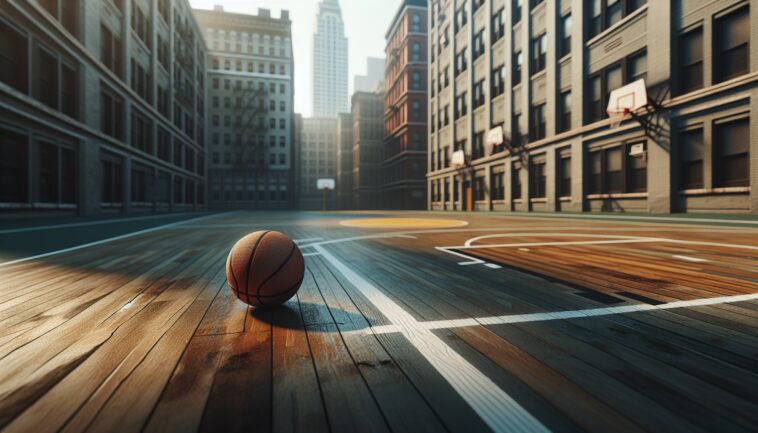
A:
(105, 241)
(496, 408)
(571, 314)
(86, 223)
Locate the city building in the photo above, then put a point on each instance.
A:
(403, 181)
(329, 62)
(367, 113)
(318, 151)
(543, 70)
(102, 107)
(251, 109)
(345, 161)
(374, 77)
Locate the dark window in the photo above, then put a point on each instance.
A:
(479, 188)
(498, 81)
(517, 10)
(564, 119)
(605, 13)
(517, 61)
(47, 78)
(516, 181)
(637, 67)
(537, 180)
(636, 171)
(498, 25)
(538, 122)
(497, 186)
(539, 53)
(478, 44)
(691, 51)
(110, 50)
(111, 121)
(13, 58)
(565, 42)
(461, 16)
(68, 176)
(564, 168)
(691, 152)
(479, 94)
(112, 181)
(141, 133)
(614, 170)
(14, 163)
(595, 99)
(731, 154)
(69, 90)
(140, 183)
(731, 43)
(48, 173)
(478, 150)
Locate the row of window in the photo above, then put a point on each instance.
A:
(239, 65)
(216, 83)
(250, 158)
(146, 187)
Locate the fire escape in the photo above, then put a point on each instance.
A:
(250, 124)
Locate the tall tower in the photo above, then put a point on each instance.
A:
(329, 61)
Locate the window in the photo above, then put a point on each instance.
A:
(65, 11)
(13, 58)
(461, 109)
(112, 115)
(479, 188)
(614, 177)
(14, 162)
(141, 133)
(539, 52)
(595, 172)
(606, 13)
(461, 16)
(601, 84)
(479, 94)
(517, 10)
(731, 154)
(564, 119)
(537, 179)
(564, 176)
(565, 42)
(47, 78)
(416, 23)
(538, 122)
(691, 63)
(498, 25)
(416, 52)
(497, 186)
(636, 170)
(110, 50)
(731, 42)
(112, 180)
(478, 150)
(691, 152)
(57, 174)
(615, 170)
(516, 181)
(498, 81)
(637, 67)
(517, 60)
(460, 62)
(478, 44)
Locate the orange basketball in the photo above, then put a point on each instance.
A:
(265, 269)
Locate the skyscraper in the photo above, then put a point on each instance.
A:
(329, 61)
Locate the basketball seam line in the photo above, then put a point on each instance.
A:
(269, 296)
(234, 277)
(294, 287)
(273, 274)
(250, 263)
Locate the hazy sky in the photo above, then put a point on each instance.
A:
(366, 22)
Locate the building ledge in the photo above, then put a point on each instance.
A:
(710, 191)
(628, 195)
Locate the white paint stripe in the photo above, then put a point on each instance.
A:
(406, 237)
(471, 260)
(556, 244)
(105, 241)
(496, 408)
(688, 258)
(302, 241)
(573, 314)
(471, 241)
(492, 265)
(87, 223)
(644, 218)
(311, 254)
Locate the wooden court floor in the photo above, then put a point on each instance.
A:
(488, 323)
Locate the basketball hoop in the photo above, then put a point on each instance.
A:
(617, 118)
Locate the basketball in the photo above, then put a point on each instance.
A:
(265, 269)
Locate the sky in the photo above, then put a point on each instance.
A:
(366, 22)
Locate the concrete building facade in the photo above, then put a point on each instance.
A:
(543, 70)
(329, 62)
(102, 107)
(404, 164)
(345, 161)
(318, 160)
(251, 109)
(367, 116)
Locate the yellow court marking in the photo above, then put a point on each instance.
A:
(403, 223)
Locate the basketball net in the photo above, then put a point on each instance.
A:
(617, 117)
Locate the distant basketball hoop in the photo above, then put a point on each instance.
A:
(458, 159)
(625, 101)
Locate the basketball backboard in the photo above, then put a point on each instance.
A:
(325, 184)
(458, 159)
(626, 100)
(495, 137)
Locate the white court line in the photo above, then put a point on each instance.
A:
(642, 218)
(302, 241)
(557, 244)
(311, 254)
(571, 314)
(689, 259)
(492, 266)
(471, 260)
(406, 237)
(496, 408)
(471, 241)
(105, 241)
(87, 223)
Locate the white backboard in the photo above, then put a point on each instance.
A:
(627, 99)
(325, 184)
(459, 159)
(495, 136)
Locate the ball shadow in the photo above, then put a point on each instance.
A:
(313, 317)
